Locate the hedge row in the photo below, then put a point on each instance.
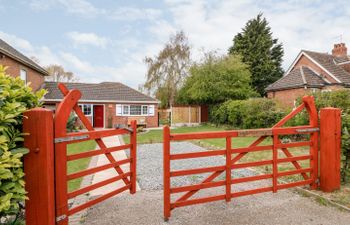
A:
(247, 114)
(264, 113)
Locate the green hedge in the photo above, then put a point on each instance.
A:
(15, 98)
(264, 113)
(247, 114)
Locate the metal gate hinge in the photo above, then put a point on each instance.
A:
(61, 217)
(72, 138)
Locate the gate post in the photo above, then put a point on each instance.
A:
(133, 142)
(166, 171)
(330, 143)
(39, 167)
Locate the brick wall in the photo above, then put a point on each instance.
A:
(111, 119)
(287, 97)
(151, 121)
(36, 79)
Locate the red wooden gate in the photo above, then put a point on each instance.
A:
(62, 138)
(309, 174)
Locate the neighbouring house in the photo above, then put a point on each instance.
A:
(20, 65)
(108, 104)
(311, 72)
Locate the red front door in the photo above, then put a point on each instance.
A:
(98, 115)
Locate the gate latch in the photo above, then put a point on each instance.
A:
(72, 138)
(308, 130)
(61, 217)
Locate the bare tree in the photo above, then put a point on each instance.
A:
(167, 71)
(58, 74)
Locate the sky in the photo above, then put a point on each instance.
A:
(107, 40)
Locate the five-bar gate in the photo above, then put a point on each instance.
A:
(62, 138)
(233, 155)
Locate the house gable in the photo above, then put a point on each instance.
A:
(304, 59)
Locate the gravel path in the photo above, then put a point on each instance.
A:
(150, 165)
(146, 207)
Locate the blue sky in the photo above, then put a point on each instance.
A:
(107, 40)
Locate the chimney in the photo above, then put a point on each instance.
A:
(339, 50)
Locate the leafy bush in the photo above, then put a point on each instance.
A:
(247, 114)
(15, 98)
(72, 123)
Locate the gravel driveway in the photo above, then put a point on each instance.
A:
(146, 206)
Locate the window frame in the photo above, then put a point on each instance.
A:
(25, 73)
(82, 109)
(143, 111)
(147, 112)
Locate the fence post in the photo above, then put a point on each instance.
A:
(39, 167)
(166, 170)
(330, 143)
(228, 168)
(133, 142)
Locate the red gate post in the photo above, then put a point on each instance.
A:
(39, 167)
(228, 168)
(133, 142)
(166, 170)
(330, 142)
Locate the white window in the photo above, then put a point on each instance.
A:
(144, 110)
(87, 109)
(23, 75)
(119, 110)
(151, 110)
(126, 110)
(135, 110)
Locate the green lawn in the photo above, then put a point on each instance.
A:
(80, 164)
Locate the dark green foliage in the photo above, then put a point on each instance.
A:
(260, 51)
(247, 114)
(71, 123)
(216, 79)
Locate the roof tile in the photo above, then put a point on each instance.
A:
(106, 91)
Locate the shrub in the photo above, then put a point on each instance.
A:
(247, 114)
(15, 98)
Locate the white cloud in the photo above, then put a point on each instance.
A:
(16, 41)
(305, 25)
(132, 13)
(81, 7)
(87, 39)
(86, 9)
(78, 7)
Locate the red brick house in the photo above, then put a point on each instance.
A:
(19, 65)
(109, 103)
(311, 72)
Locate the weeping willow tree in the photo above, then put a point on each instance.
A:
(167, 71)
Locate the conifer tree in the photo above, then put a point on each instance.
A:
(260, 51)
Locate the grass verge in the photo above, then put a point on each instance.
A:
(80, 164)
